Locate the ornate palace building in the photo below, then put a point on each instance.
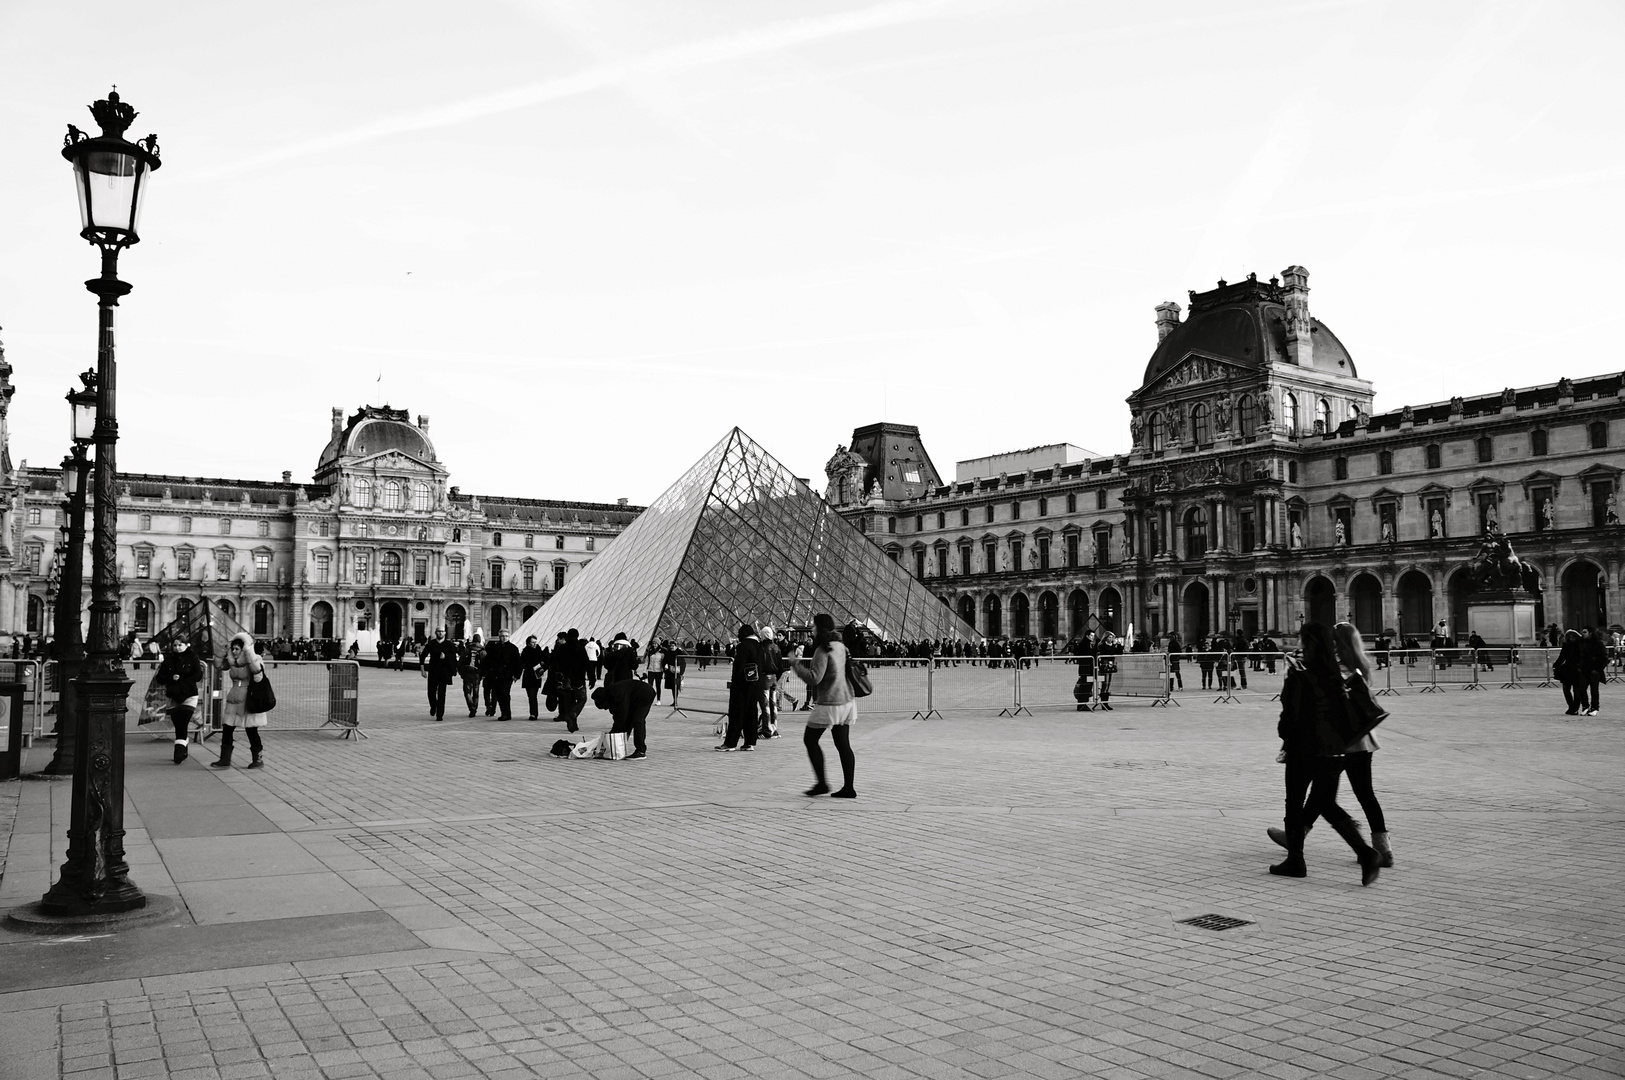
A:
(378, 542)
(1261, 490)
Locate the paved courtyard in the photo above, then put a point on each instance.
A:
(1003, 899)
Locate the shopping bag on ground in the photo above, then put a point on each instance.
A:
(612, 745)
(586, 748)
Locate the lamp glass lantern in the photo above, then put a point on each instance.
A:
(70, 477)
(110, 175)
(82, 406)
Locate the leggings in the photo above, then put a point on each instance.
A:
(181, 716)
(229, 731)
(1358, 768)
(842, 734)
(1301, 771)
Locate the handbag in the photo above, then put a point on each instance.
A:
(261, 698)
(1363, 711)
(612, 745)
(857, 676)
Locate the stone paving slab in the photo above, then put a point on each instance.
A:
(1002, 900)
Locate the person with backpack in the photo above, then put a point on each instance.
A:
(745, 693)
(835, 706)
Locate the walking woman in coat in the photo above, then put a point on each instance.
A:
(1312, 723)
(244, 666)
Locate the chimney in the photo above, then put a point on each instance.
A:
(1167, 319)
(423, 422)
(621, 501)
(338, 421)
(1300, 344)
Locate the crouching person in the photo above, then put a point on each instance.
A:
(628, 702)
(179, 675)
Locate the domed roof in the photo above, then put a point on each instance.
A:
(1244, 323)
(375, 430)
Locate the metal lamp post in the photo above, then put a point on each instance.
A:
(70, 642)
(110, 176)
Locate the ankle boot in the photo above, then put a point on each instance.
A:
(1292, 865)
(1370, 861)
(180, 751)
(258, 762)
(223, 763)
(1282, 837)
(1385, 854)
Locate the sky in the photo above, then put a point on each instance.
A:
(587, 237)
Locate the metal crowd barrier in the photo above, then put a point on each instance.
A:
(31, 673)
(311, 695)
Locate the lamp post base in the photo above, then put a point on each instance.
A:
(35, 919)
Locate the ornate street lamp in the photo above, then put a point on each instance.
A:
(110, 175)
(70, 644)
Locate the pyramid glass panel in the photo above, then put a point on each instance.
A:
(739, 539)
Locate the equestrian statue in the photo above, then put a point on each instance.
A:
(1497, 567)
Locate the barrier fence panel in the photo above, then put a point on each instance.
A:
(1420, 671)
(31, 673)
(1456, 667)
(310, 695)
(974, 684)
(1536, 665)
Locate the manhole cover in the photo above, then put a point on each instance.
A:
(1215, 922)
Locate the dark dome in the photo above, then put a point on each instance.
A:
(375, 430)
(1243, 323)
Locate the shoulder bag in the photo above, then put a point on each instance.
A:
(261, 698)
(857, 677)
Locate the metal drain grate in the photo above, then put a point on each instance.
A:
(1215, 922)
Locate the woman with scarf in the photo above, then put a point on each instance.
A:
(245, 666)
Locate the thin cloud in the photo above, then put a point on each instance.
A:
(700, 54)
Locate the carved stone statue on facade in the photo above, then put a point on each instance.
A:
(1407, 415)
(1436, 525)
(1136, 428)
(1128, 546)
(1297, 535)
(1610, 510)
(1509, 396)
(1176, 426)
(1492, 519)
(1548, 513)
(1565, 387)
(1221, 414)
(1387, 531)
(1458, 405)
(1341, 531)
(1266, 411)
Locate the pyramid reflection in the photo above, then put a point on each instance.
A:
(739, 539)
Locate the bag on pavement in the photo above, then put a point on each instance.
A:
(586, 748)
(612, 746)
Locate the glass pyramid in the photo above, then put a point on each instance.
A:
(739, 539)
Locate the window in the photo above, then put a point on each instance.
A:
(1103, 547)
(143, 616)
(186, 525)
(1072, 504)
(1537, 442)
(363, 567)
(1072, 549)
(143, 564)
(919, 563)
(420, 570)
(225, 526)
(558, 577)
(1244, 415)
(1598, 433)
(394, 497)
(1017, 550)
(1434, 458)
(389, 568)
(363, 528)
(323, 528)
(183, 565)
(591, 543)
(1248, 530)
(530, 540)
(1323, 416)
(1154, 433)
(1201, 428)
(324, 569)
(964, 560)
(420, 497)
(1043, 553)
(262, 567)
(455, 570)
(1385, 462)
(1486, 449)
(496, 568)
(558, 543)
(496, 539)
(942, 520)
(919, 522)
(33, 515)
(1100, 499)
(32, 557)
(1292, 472)
(528, 571)
(1195, 534)
(1341, 468)
(942, 562)
(265, 528)
(146, 522)
(1015, 511)
(1289, 413)
(222, 565)
(990, 557)
(891, 525)
(363, 492)
(964, 516)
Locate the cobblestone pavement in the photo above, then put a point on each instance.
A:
(1002, 900)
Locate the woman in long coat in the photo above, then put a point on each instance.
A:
(244, 666)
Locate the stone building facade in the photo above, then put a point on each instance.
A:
(1261, 491)
(378, 542)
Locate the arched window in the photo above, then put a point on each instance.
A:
(264, 618)
(1289, 413)
(496, 539)
(1155, 430)
(394, 499)
(143, 616)
(183, 608)
(321, 619)
(1245, 415)
(389, 568)
(36, 615)
(1195, 533)
(1323, 414)
(363, 492)
(1200, 428)
(420, 497)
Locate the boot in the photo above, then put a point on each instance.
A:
(1385, 854)
(1370, 861)
(1292, 865)
(223, 763)
(258, 762)
(1280, 836)
(180, 751)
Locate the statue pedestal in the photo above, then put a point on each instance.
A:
(1503, 617)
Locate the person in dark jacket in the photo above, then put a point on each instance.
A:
(628, 702)
(1316, 754)
(745, 692)
(179, 675)
(1595, 668)
(437, 660)
(532, 663)
(570, 671)
(1569, 671)
(772, 663)
(620, 660)
(500, 671)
